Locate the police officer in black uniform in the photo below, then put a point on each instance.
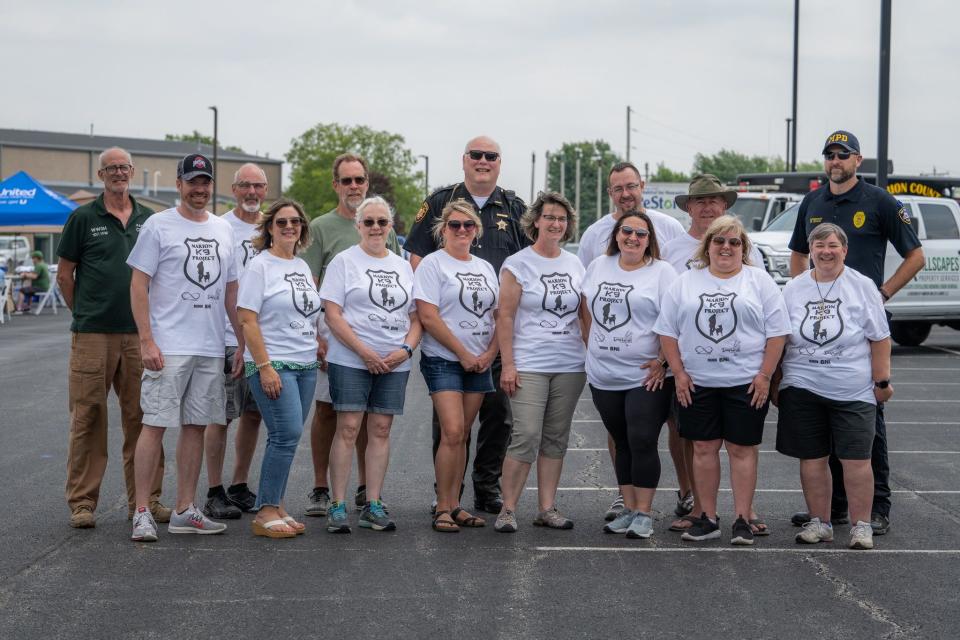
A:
(500, 212)
(871, 217)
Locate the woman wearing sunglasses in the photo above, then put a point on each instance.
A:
(541, 345)
(626, 370)
(722, 328)
(279, 310)
(374, 328)
(456, 296)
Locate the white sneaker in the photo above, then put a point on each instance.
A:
(193, 521)
(144, 526)
(815, 531)
(861, 536)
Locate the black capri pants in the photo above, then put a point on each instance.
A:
(634, 418)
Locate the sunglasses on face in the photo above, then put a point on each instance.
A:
(468, 225)
(358, 180)
(720, 241)
(380, 222)
(843, 155)
(283, 222)
(489, 156)
(628, 231)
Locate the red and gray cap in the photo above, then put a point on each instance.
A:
(843, 139)
(194, 165)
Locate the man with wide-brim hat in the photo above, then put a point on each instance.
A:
(706, 200)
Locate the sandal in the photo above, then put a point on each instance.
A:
(676, 526)
(268, 530)
(468, 520)
(298, 527)
(759, 527)
(444, 525)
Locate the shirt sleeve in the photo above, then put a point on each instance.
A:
(232, 271)
(145, 255)
(514, 268)
(333, 287)
(411, 303)
(585, 252)
(392, 243)
(71, 240)
(798, 241)
(875, 325)
(252, 285)
(426, 282)
(896, 225)
(313, 255)
(666, 324)
(776, 318)
(420, 239)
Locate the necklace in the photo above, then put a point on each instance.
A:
(823, 298)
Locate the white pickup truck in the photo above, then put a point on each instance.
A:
(931, 297)
(758, 209)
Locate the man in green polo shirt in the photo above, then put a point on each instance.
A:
(38, 281)
(94, 280)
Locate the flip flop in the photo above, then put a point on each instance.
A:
(267, 529)
(298, 527)
(687, 518)
(469, 520)
(759, 527)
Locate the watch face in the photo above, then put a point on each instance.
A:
(883, 384)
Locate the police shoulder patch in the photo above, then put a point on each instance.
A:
(902, 212)
(421, 214)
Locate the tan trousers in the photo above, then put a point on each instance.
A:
(99, 361)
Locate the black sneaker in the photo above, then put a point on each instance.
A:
(879, 523)
(319, 502)
(241, 496)
(218, 507)
(703, 529)
(742, 533)
(488, 502)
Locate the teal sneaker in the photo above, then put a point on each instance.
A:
(337, 518)
(620, 523)
(375, 517)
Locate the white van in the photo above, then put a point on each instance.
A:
(931, 297)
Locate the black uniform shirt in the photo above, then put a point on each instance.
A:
(500, 217)
(868, 214)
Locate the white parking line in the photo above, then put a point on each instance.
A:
(798, 550)
(924, 368)
(944, 350)
(952, 453)
(919, 492)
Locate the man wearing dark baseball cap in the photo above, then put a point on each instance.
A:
(871, 217)
(194, 165)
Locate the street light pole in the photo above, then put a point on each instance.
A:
(426, 175)
(546, 170)
(883, 119)
(533, 171)
(215, 157)
(786, 158)
(576, 188)
(629, 109)
(599, 184)
(796, 57)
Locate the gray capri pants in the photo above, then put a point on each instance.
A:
(542, 413)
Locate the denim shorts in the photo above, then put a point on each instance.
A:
(359, 390)
(446, 375)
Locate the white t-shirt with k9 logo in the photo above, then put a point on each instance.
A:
(243, 233)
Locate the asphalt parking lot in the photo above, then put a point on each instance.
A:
(59, 582)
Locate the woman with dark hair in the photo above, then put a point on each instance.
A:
(539, 329)
(625, 366)
(278, 309)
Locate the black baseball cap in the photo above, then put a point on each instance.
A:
(843, 139)
(194, 165)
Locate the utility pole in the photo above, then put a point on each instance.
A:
(426, 175)
(215, 145)
(599, 185)
(533, 171)
(786, 158)
(546, 170)
(629, 109)
(883, 119)
(796, 56)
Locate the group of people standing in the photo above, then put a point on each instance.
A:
(258, 315)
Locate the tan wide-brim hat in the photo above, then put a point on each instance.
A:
(706, 184)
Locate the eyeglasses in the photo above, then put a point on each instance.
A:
(259, 186)
(114, 169)
(720, 241)
(357, 180)
(628, 231)
(552, 218)
(283, 222)
(468, 225)
(380, 222)
(489, 156)
(633, 186)
(843, 155)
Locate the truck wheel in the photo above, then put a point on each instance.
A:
(909, 334)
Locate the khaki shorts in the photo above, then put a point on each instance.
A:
(239, 398)
(323, 388)
(188, 390)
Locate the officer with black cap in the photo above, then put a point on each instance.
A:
(500, 212)
(871, 217)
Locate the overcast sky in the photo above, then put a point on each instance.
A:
(702, 75)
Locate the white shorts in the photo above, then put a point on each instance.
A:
(188, 390)
(323, 388)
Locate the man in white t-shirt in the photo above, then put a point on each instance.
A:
(625, 188)
(184, 277)
(249, 188)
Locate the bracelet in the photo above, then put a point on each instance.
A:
(761, 373)
(262, 365)
(663, 363)
(408, 349)
(884, 295)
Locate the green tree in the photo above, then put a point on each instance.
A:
(726, 164)
(196, 136)
(596, 156)
(666, 174)
(392, 173)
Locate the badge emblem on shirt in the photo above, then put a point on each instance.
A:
(822, 323)
(386, 291)
(248, 251)
(859, 218)
(717, 317)
(422, 213)
(902, 212)
(611, 305)
(202, 265)
(476, 296)
(305, 297)
(559, 296)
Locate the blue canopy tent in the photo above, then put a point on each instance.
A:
(25, 204)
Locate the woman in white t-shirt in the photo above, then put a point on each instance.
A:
(539, 329)
(835, 371)
(722, 327)
(369, 309)
(625, 367)
(278, 307)
(456, 296)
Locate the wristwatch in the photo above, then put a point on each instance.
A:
(882, 384)
(407, 348)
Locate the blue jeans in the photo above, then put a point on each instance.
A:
(284, 418)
